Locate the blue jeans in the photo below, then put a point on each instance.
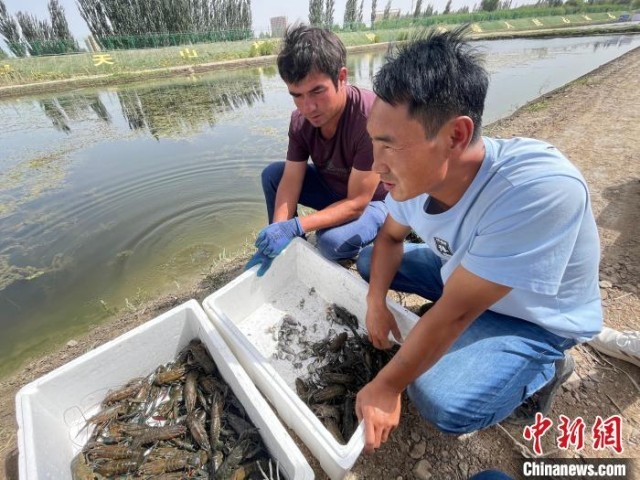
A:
(495, 364)
(491, 475)
(335, 243)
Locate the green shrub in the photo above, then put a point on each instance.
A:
(373, 37)
(262, 48)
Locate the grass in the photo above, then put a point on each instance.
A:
(119, 65)
(536, 106)
(38, 69)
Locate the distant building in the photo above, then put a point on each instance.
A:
(393, 13)
(278, 26)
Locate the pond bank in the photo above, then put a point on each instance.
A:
(122, 78)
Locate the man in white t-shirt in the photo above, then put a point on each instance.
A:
(510, 255)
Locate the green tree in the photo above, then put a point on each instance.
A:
(350, 13)
(447, 8)
(58, 20)
(374, 5)
(360, 18)
(95, 17)
(489, 5)
(428, 11)
(329, 10)
(387, 11)
(316, 12)
(418, 9)
(10, 32)
(246, 18)
(463, 10)
(34, 30)
(139, 17)
(60, 27)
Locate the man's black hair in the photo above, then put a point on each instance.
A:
(310, 49)
(438, 76)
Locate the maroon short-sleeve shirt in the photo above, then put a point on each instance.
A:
(349, 148)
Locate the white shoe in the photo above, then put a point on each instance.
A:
(622, 345)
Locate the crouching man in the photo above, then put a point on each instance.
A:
(330, 126)
(510, 255)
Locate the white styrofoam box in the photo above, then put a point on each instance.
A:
(247, 311)
(52, 410)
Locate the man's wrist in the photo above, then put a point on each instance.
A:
(376, 300)
(299, 230)
(388, 381)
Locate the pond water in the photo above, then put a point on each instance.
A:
(111, 197)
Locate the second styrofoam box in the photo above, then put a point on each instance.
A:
(52, 410)
(247, 311)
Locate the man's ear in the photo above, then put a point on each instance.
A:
(342, 76)
(461, 133)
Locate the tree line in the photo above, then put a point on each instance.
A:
(25, 33)
(136, 17)
(321, 12)
(128, 24)
(154, 23)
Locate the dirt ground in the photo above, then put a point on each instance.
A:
(595, 122)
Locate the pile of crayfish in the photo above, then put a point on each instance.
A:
(344, 363)
(181, 421)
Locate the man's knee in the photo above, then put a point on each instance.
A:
(364, 262)
(333, 246)
(447, 417)
(271, 176)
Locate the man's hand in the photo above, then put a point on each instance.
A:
(380, 321)
(261, 259)
(272, 239)
(379, 407)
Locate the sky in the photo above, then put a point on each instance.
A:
(262, 10)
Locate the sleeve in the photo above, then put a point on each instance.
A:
(525, 240)
(396, 211)
(297, 150)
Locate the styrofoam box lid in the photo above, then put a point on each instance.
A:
(247, 302)
(52, 410)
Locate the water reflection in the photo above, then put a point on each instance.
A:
(77, 107)
(56, 114)
(173, 110)
(182, 108)
(178, 110)
(612, 42)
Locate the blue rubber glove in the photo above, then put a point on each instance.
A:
(261, 259)
(272, 239)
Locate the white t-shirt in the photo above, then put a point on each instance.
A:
(524, 222)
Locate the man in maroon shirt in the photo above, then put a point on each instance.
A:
(329, 125)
